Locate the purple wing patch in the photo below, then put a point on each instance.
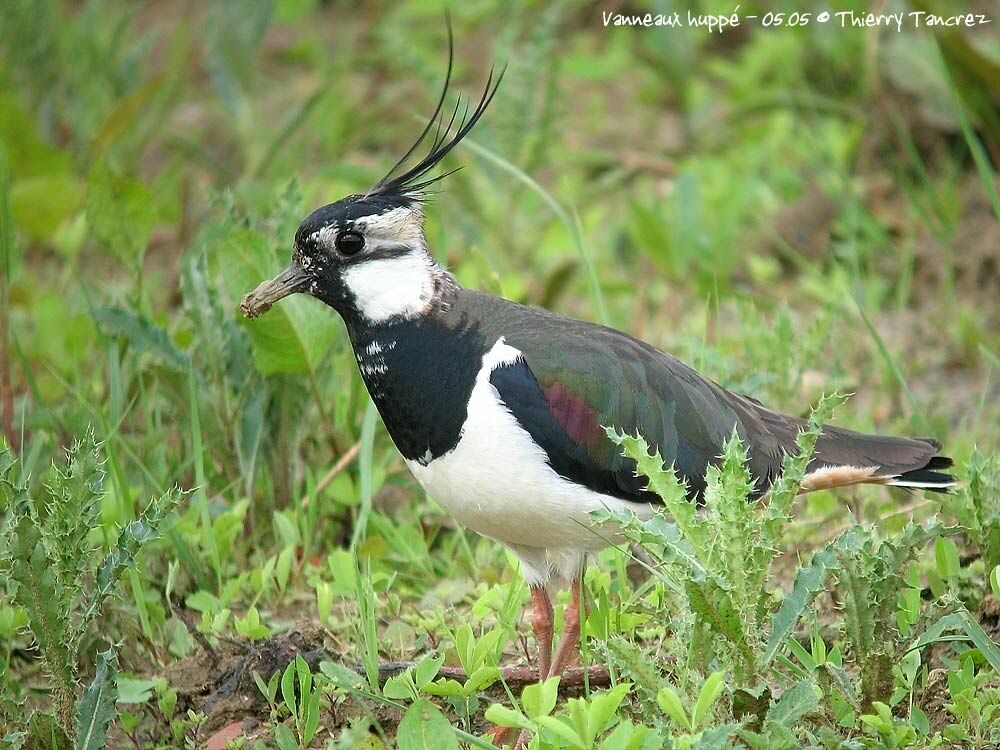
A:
(575, 415)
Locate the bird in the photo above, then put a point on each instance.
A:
(500, 410)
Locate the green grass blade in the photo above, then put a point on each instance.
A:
(979, 156)
(893, 367)
(572, 223)
(365, 473)
(201, 496)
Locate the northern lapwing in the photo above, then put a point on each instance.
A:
(499, 409)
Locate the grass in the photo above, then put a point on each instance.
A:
(784, 209)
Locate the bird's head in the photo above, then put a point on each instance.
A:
(366, 255)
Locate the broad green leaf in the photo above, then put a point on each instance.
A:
(604, 705)
(488, 645)
(339, 675)
(481, 678)
(29, 154)
(303, 672)
(671, 705)
(427, 668)
(41, 204)
(125, 112)
(707, 697)
(626, 736)
(311, 723)
(342, 568)
(285, 738)
(559, 725)
(296, 333)
(96, 708)
(445, 688)
(288, 688)
(399, 687)
(120, 211)
(946, 557)
(424, 727)
(776, 737)
(132, 691)
(539, 698)
(919, 721)
(465, 646)
(507, 717)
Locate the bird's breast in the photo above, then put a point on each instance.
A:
(498, 482)
(420, 376)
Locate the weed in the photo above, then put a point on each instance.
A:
(62, 582)
(792, 211)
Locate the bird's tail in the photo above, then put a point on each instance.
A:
(844, 457)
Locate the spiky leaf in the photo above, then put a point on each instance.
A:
(664, 482)
(73, 511)
(96, 708)
(809, 582)
(39, 593)
(802, 697)
(130, 540)
(144, 336)
(45, 733)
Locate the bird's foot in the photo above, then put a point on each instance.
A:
(499, 735)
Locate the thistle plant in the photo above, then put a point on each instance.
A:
(718, 557)
(976, 506)
(58, 578)
(714, 563)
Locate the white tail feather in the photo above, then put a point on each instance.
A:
(896, 482)
(828, 477)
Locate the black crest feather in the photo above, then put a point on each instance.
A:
(411, 183)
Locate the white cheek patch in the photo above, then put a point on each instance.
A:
(391, 287)
(400, 225)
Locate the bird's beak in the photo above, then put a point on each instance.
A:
(293, 279)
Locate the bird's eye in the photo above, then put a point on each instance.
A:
(350, 243)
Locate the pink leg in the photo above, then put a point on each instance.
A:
(541, 624)
(567, 645)
(570, 641)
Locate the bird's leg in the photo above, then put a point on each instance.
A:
(541, 624)
(571, 630)
(567, 645)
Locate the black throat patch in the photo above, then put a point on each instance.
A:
(420, 373)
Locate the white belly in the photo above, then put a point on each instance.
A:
(497, 481)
